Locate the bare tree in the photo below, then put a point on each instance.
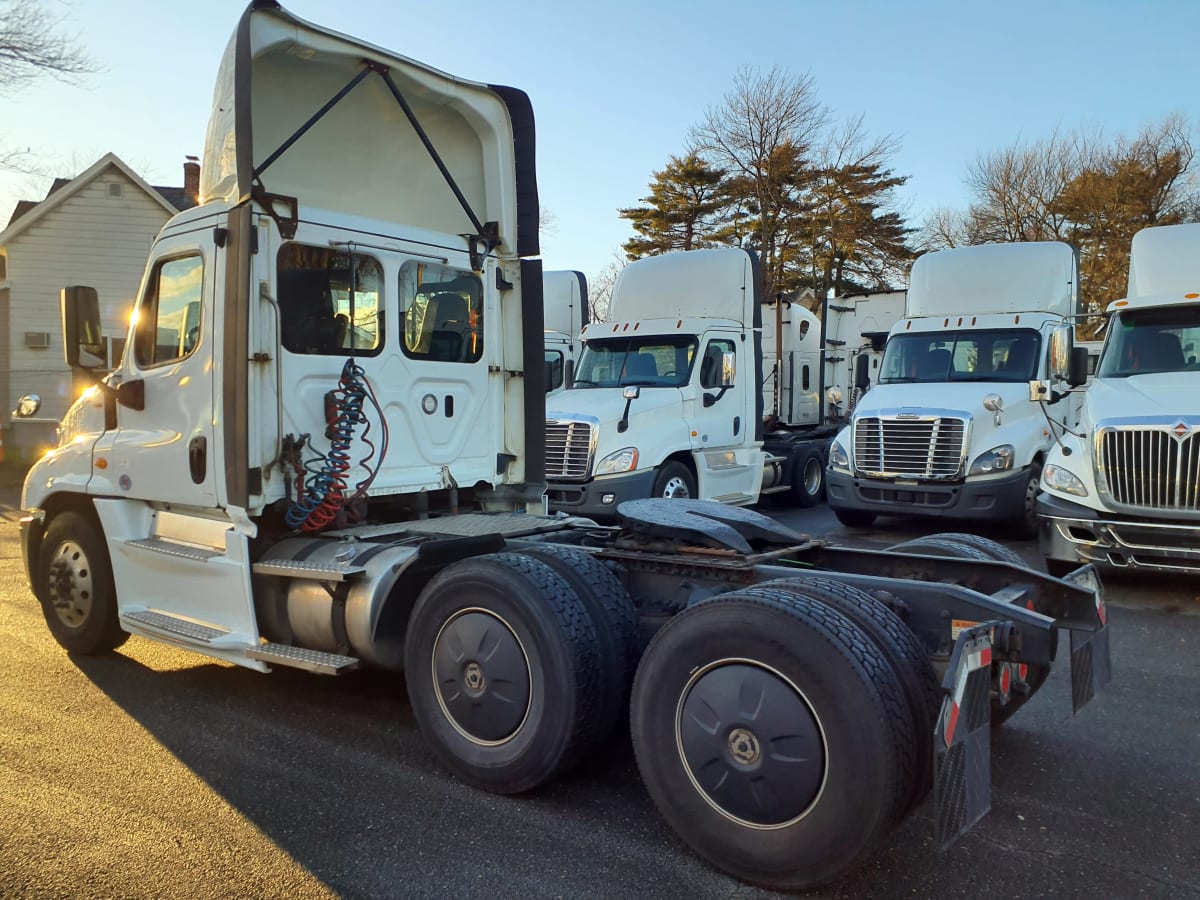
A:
(32, 44)
(763, 134)
(600, 287)
(1016, 188)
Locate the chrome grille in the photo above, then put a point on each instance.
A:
(1150, 467)
(916, 447)
(568, 449)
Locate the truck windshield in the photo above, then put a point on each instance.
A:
(651, 361)
(1009, 354)
(1142, 341)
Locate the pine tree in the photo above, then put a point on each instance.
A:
(683, 211)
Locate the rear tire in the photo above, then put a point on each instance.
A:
(807, 486)
(675, 481)
(994, 549)
(951, 545)
(855, 518)
(74, 584)
(910, 663)
(614, 619)
(741, 672)
(504, 671)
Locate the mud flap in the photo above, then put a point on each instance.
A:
(962, 741)
(1091, 668)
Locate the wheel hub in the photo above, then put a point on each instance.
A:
(70, 584)
(481, 677)
(744, 747)
(676, 488)
(750, 743)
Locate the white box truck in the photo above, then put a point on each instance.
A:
(696, 388)
(323, 449)
(565, 298)
(1122, 488)
(950, 429)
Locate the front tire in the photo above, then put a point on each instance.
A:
(74, 584)
(855, 518)
(1025, 524)
(675, 481)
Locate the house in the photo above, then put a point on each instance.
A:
(95, 229)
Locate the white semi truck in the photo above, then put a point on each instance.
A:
(323, 448)
(566, 314)
(696, 388)
(1122, 487)
(950, 430)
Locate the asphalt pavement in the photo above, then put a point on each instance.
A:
(153, 772)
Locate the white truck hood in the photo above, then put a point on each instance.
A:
(961, 396)
(1153, 395)
(608, 405)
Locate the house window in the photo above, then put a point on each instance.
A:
(168, 317)
(115, 189)
(331, 301)
(443, 313)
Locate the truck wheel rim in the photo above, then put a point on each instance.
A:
(676, 489)
(70, 583)
(481, 676)
(812, 476)
(750, 743)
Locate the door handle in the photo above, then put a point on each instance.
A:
(737, 425)
(198, 458)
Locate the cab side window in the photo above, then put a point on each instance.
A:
(443, 313)
(331, 301)
(710, 368)
(169, 316)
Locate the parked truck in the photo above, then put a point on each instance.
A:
(565, 298)
(323, 449)
(697, 388)
(950, 430)
(1122, 487)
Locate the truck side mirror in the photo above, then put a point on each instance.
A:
(862, 371)
(82, 341)
(728, 369)
(1077, 373)
(1062, 341)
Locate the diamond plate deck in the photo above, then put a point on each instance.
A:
(289, 568)
(298, 658)
(173, 548)
(174, 625)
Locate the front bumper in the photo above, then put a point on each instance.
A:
(991, 498)
(599, 497)
(1074, 533)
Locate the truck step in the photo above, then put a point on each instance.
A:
(174, 548)
(778, 489)
(298, 658)
(315, 571)
(174, 625)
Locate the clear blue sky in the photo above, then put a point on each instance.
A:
(616, 85)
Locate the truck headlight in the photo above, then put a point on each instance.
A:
(998, 459)
(838, 458)
(623, 460)
(1057, 478)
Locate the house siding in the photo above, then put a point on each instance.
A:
(95, 239)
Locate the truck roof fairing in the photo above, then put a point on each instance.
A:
(1039, 276)
(711, 284)
(1164, 265)
(363, 155)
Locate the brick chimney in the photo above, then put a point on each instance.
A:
(191, 178)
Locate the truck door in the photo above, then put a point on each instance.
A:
(726, 425)
(162, 449)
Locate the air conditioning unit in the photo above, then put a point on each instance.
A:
(37, 340)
